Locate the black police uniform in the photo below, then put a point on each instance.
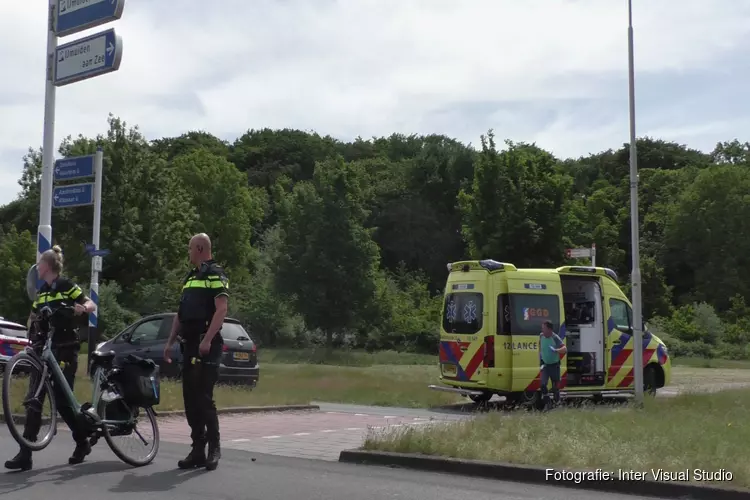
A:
(200, 372)
(65, 347)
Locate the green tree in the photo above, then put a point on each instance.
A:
(17, 255)
(513, 210)
(327, 261)
(707, 242)
(227, 208)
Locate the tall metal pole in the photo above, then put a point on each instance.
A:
(44, 232)
(634, 223)
(96, 260)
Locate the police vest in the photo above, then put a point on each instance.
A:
(61, 292)
(199, 290)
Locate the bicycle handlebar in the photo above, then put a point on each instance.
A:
(46, 312)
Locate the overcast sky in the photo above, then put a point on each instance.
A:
(550, 71)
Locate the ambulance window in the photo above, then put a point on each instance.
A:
(621, 314)
(529, 311)
(463, 313)
(503, 314)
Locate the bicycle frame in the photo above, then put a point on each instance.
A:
(51, 367)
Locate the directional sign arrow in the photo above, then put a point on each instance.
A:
(74, 168)
(87, 58)
(73, 195)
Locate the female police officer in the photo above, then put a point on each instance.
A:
(56, 291)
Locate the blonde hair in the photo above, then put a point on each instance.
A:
(53, 258)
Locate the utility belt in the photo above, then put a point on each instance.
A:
(191, 337)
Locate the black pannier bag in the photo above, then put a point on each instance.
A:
(138, 381)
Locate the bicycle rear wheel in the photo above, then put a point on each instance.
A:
(30, 405)
(119, 410)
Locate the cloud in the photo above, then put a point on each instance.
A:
(550, 71)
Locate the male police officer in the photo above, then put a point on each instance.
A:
(203, 307)
(550, 346)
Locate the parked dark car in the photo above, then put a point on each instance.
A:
(148, 336)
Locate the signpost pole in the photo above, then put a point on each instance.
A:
(80, 60)
(96, 260)
(44, 232)
(593, 255)
(636, 276)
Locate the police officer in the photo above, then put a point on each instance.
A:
(203, 307)
(57, 291)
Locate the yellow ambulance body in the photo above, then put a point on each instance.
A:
(491, 321)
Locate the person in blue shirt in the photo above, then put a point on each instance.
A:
(551, 347)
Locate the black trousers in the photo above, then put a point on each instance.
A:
(198, 381)
(68, 356)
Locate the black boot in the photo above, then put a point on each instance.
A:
(22, 461)
(83, 448)
(196, 458)
(214, 454)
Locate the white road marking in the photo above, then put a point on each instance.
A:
(328, 431)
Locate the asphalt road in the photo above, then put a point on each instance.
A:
(103, 477)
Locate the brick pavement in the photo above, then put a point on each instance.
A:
(304, 434)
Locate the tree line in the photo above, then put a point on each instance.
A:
(345, 244)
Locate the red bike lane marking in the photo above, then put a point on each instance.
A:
(246, 427)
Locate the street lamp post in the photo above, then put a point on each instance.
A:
(636, 274)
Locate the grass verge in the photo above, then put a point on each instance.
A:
(283, 384)
(692, 431)
(731, 364)
(359, 358)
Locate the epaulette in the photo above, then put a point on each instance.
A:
(210, 268)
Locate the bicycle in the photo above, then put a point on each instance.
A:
(105, 391)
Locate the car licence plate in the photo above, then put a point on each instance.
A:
(449, 370)
(241, 356)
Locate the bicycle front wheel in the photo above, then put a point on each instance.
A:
(131, 433)
(26, 414)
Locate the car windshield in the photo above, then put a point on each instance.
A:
(233, 331)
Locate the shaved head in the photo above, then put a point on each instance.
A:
(199, 248)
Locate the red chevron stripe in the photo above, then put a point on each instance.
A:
(474, 363)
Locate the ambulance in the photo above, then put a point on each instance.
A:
(492, 316)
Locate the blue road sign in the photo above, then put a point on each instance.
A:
(90, 247)
(72, 16)
(88, 57)
(99, 253)
(74, 168)
(73, 195)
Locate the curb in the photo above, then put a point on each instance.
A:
(220, 411)
(243, 410)
(538, 475)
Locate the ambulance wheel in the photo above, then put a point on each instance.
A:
(526, 398)
(482, 398)
(649, 380)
